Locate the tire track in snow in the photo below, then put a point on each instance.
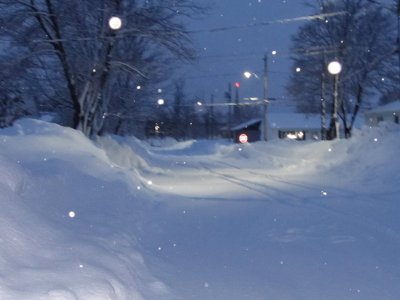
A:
(268, 191)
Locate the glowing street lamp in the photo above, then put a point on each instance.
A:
(248, 75)
(115, 23)
(334, 68)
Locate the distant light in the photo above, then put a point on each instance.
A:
(243, 138)
(139, 87)
(334, 67)
(297, 135)
(274, 52)
(159, 91)
(160, 101)
(237, 84)
(115, 23)
(298, 69)
(247, 74)
(251, 98)
(71, 214)
(199, 103)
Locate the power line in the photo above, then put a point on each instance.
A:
(144, 32)
(267, 23)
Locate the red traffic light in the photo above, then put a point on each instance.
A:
(237, 84)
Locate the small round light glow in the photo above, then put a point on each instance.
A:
(71, 214)
(115, 23)
(334, 67)
(160, 101)
(274, 52)
(298, 69)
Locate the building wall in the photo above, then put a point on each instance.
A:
(282, 133)
(373, 119)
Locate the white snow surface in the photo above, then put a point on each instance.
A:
(124, 219)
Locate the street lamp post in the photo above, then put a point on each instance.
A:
(334, 68)
(265, 97)
(265, 100)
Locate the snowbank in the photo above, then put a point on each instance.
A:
(65, 208)
(124, 219)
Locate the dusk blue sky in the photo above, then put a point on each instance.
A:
(225, 55)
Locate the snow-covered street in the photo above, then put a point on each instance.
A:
(126, 219)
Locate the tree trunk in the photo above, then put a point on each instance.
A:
(55, 39)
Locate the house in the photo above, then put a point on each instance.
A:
(294, 126)
(389, 113)
(247, 132)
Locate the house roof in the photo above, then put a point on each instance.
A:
(390, 107)
(246, 124)
(285, 121)
(294, 121)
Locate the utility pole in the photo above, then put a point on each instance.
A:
(211, 118)
(265, 97)
(236, 108)
(323, 102)
(398, 32)
(334, 68)
(323, 108)
(228, 97)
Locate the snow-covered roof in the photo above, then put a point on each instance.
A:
(246, 124)
(294, 121)
(286, 121)
(390, 107)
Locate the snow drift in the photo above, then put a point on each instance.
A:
(124, 219)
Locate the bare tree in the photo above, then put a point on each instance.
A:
(90, 56)
(361, 38)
